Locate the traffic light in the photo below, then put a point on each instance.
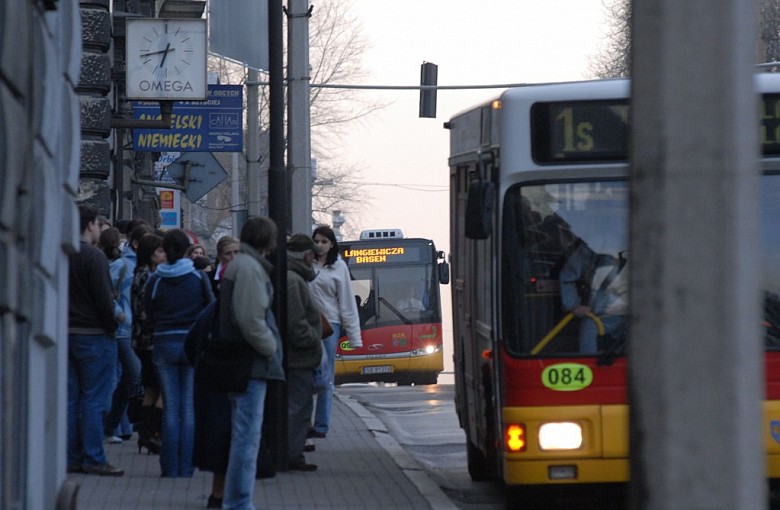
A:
(428, 76)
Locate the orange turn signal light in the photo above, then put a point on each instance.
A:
(515, 437)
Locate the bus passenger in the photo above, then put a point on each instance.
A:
(598, 284)
(336, 299)
(304, 347)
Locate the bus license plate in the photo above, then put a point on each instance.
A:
(381, 369)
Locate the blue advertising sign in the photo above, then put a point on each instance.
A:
(214, 125)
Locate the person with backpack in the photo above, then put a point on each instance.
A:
(173, 297)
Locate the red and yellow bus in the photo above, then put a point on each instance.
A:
(396, 285)
(539, 226)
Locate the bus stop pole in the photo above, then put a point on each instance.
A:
(276, 399)
(695, 345)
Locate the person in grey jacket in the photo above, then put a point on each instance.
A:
(304, 347)
(245, 315)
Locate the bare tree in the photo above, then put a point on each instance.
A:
(336, 48)
(768, 30)
(338, 187)
(614, 58)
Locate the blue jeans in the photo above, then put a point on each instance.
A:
(247, 416)
(325, 399)
(589, 332)
(178, 385)
(129, 376)
(91, 368)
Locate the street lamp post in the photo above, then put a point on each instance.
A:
(338, 220)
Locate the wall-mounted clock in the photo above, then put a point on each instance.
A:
(166, 59)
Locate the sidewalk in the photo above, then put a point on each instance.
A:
(360, 466)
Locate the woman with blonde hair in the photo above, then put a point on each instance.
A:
(227, 247)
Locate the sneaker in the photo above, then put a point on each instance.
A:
(102, 470)
(309, 446)
(112, 440)
(302, 466)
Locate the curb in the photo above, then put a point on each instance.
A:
(429, 489)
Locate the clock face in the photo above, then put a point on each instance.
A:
(166, 58)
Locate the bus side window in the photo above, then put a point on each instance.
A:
(366, 309)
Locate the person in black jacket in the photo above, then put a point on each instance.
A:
(92, 351)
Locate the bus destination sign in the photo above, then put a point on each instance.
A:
(380, 255)
(597, 131)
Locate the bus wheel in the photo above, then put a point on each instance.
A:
(427, 378)
(480, 469)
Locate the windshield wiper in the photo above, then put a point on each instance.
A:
(395, 311)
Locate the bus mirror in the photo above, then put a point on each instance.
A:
(444, 273)
(479, 210)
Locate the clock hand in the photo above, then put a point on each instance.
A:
(157, 52)
(165, 54)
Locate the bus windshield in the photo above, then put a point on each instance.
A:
(770, 243)
(565, 251)
(393, 295)
(565, 271)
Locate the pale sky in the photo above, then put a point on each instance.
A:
(472, 42)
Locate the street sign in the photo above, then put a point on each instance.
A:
(214, 125)
(239, 31)
(205, 172)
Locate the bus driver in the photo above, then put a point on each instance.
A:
(598, 284)
(409, 303)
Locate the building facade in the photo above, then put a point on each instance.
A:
(43, 64)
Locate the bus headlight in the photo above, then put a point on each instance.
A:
(427, 350)
(560, 436)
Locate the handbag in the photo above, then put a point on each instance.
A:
(321, 377)
(327, 329)
(225, 367)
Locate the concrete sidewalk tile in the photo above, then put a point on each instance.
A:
(355, 472)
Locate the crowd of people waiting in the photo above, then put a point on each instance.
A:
(141, 304)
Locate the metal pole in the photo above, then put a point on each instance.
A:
(234, 197)
(298, 129)
(253, 144)
(695, 344)
(277, 206)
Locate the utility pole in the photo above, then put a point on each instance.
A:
(695, 379)
(276, 399)
(298, 116)
(253, 203)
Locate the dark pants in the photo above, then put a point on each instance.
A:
(300, 403)
(129, 385)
